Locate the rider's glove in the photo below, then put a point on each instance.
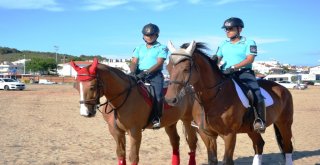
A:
(229, 70)
(142, 75)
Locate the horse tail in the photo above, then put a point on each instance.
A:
(279, 139)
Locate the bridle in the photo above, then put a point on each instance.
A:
(96, 100)
(183, 83)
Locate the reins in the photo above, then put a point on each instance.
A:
(127, 90)
(108, 101)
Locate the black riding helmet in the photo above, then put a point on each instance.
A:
(150, 29)
(233, 22)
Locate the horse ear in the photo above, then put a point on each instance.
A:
(74, 66)
(93, 66)
(191, 47)
(171, 47)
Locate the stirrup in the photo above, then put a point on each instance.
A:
(194, 124)
(156, 123)
(260, 128)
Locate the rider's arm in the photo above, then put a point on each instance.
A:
(133, 65)
(157, 66)
(251, 51)
(248, 60)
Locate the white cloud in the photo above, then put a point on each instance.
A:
(103, 4)
(269, 40)
(223, 2)
(194, 1)
(164, 5)
(157, 5)
(50, 5)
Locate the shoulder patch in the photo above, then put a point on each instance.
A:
(253, 49)
(165, 49)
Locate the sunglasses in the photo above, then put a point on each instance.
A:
(228, 29)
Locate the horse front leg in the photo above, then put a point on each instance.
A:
(191, 138)
(119, 137)
(211, 145)
(257, 143)
(175, 142)
(135, 141)
(230, 144)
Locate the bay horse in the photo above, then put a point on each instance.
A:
(223, 112)
(126, 110)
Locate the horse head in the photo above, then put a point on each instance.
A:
(88, 87)
(180, 68)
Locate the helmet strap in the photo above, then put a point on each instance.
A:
(153, 42)
(236, 36)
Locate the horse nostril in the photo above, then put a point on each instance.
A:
(174, 100)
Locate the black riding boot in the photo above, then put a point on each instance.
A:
(156, 120)
(259, 124)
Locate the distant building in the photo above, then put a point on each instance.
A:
(66, 69)
(314, 70)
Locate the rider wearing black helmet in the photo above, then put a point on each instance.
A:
(147, 64)
(238, 54)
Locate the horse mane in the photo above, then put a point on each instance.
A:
(119, 72)
(201, 49)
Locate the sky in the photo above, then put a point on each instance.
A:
(284, 30)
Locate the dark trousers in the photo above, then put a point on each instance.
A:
(157, 80)
(248, 77)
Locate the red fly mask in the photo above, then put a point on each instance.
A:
(85, 74)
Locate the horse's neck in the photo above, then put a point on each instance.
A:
(209, 80)
(113, 85)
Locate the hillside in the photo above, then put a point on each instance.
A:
(12, 54)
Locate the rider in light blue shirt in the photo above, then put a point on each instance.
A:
(148, 56)
(147, 64)
(234, 53)
(238, 54)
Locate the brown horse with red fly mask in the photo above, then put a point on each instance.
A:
(222, 110)
(127, 110)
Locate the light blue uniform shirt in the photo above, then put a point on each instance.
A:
(234, 53)
(148, 56)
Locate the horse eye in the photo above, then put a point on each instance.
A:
(187, 70)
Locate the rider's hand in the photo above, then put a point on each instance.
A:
(142, 75)
(229, 70)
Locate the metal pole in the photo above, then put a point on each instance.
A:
(56, 49)
(24, 64)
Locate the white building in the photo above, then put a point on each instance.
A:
(266, 67)
(67, 70)
(121, 64)
(315, 70)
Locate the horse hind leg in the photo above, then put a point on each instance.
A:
(284, 136)
(191, 138)
(258, 144)
(175, 142)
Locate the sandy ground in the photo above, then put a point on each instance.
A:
(42, 125)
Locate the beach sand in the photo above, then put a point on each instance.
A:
(42, 125)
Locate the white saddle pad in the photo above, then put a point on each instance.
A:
(267, 98)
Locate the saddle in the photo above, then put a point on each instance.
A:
(247, 97)
(148, 93)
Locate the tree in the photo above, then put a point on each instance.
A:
(41, 65)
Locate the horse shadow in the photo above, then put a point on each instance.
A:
(276, 158)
